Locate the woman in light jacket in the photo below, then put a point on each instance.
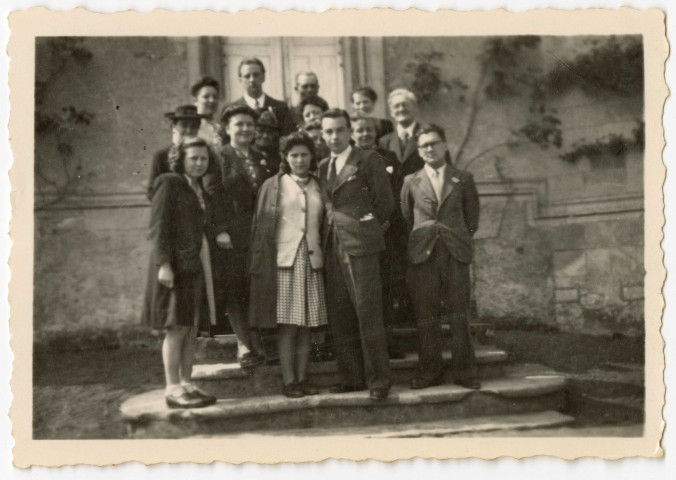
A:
(286, 261)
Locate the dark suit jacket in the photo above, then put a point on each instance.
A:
(359, 204)
(383, 127)
(453, 220)
(279, 108)
(410, 159)
(235, 192)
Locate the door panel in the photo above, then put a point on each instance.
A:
(283, 57)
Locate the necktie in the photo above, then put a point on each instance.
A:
(258, 104)
(404, 140)
(437, 184)
(331, 181)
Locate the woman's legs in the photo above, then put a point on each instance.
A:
(286, 343)
(172, 354)
(188, 354)
(302, 353)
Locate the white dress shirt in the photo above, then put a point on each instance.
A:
(252, 101)
(340, 160)
(408, 130)
(436, 176)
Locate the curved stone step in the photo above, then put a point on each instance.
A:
(148, 417)
(229, 380)
(455, 427)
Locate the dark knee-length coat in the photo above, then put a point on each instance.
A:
(177, 227)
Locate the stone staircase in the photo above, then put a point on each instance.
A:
(512, 397)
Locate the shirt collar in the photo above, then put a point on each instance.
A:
(342, 156)
(409, 130)
(252, 101)
(430, 171)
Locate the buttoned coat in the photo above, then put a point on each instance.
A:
(263, 265)
(279, 108)
(453, 220)
(360, 203)
(236, 194)
(177, 227)
(409, 158)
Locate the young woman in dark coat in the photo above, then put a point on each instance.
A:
(179, 293)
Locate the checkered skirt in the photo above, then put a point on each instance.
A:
(300, 292)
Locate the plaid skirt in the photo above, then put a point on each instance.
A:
(300, 292)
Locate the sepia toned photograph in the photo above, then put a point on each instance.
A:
(302, 237)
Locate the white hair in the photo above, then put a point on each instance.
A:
(407, 94)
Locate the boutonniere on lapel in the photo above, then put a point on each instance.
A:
(389, 169)
(455, 180)
(264, 163)
(367, 217)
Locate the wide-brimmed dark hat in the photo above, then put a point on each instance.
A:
(184, 112)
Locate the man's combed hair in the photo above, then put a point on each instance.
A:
(250, 61)
(337, 113)
(430, 128)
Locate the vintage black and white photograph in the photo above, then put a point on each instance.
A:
(297, 237)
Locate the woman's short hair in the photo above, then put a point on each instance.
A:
(430, 128)
(177, 152)
(315, 100)
(407, 94)
(233, 110)
(204, 82)
(295, 139)
(367, 91)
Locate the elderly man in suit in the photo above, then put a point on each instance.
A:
(403, 105)
(441, 205)
(252, 77)
(307, 85)
(358, 201)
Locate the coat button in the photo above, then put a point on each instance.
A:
(310, 252)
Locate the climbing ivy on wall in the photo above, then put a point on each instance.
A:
(611, 66)
(57, 176)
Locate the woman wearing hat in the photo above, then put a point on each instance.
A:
(179, 293)
(267, 139)
(286, 261)
(242, 171)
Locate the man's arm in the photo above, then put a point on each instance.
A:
(407, 203)
(470, 204)
(379, 186)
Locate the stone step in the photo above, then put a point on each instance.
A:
(526, 389)
(229, 380)
(454, 427)
(223, 348)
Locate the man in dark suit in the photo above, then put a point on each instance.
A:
(307, 85)
(403, 106)
(393, 258)
(441, 205)
(358, 202)
(252, 77)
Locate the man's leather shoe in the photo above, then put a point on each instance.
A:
(471, 383)
(249, 360)
(379, 393)
(184, 400)
(293, 390)
(422, 382)
(308, 388)
(342, 388)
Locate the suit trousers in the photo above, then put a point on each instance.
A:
(440, 291)
(355, 317)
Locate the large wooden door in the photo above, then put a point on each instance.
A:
(283, 57)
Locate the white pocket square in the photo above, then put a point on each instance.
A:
(367, 217)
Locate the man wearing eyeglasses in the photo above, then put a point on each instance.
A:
(441, 207)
